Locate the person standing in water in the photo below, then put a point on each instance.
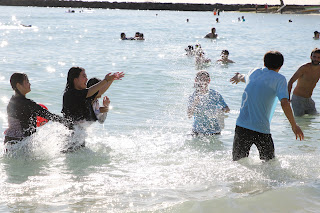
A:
(264, 86)
(22, 112)
(206, 106)
(77, 99)
(308, 76)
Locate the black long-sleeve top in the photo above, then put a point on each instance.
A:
(22, 116)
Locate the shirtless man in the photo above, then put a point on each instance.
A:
(212, 34)
(308, 76)
(225, 57)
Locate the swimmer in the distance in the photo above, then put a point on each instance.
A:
(124, 37)
(316, 35)
(225, 57)
(212, 34)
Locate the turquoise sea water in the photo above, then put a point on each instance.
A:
(142, 159)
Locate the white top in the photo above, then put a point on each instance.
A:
(100, 116)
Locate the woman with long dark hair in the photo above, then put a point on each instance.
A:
(77, 101)
(77, 98)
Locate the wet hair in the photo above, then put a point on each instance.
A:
(74, 72)
(224, 52)
(316, 32)
(122, 35)
(92, 82)
(202, 78)
(315, 50)
(273, 60)
(17, 78)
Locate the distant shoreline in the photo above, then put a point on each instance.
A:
(152, 6)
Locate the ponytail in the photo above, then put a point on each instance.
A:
(74, 72)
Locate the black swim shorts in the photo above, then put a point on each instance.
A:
(243, 140)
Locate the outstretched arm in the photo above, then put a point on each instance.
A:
(118, 76)
(295, 77)
(105, 83)
(237, 78)
(285, 104)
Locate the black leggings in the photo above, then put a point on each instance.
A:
(243, 140)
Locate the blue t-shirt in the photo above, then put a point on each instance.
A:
(207, 112)
(259, 99)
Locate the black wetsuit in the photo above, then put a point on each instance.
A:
(77, 107)
(22, 117)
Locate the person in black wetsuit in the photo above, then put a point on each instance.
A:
(22, 112)
(77, 98)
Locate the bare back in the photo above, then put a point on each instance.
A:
(307, 80)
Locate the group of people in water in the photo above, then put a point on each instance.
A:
(264, 86)
(137, 36)
(207, 106)
(201, 61)
(80, 104)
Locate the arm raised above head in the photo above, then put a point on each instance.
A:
(103, 85)
(111, 78)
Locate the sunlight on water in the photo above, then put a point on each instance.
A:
(3, 44)
(50, 69)
(143, 157)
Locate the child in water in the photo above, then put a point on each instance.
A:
(206, 106)
(100, 112)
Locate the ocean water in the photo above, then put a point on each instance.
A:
(142, 158)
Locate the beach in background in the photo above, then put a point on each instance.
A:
(142, 159)
(260, 2)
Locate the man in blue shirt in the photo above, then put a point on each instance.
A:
(264, 87)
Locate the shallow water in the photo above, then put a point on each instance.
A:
(142, 158)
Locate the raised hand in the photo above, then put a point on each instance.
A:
(106, 101)
(237, 78)
(118, 75)
(114, 76)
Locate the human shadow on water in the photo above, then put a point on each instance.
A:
(20, 163)
(84, 161)
(205, 143)
(19, 170)
(309, 123)
(255, 176)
